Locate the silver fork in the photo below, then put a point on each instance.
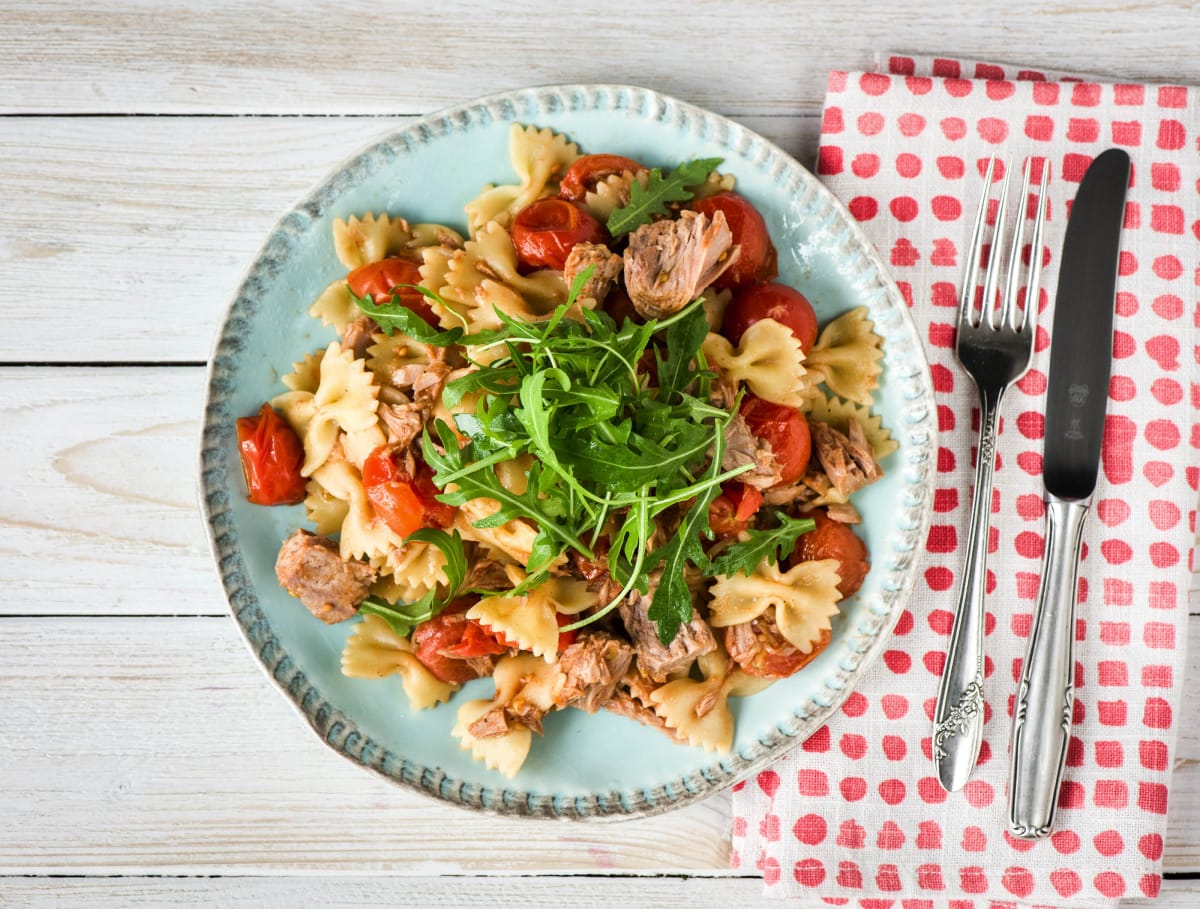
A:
(994, 345)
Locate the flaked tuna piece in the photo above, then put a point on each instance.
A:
(402, 422)
(846, 459)
(593, 666)
(668, 263)
(311, 569)
(358, 336)
(743, 447)
(625, 705)
(694, 638)
(607, 266)
(492, 724)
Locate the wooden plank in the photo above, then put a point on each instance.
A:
(105, 520)
(156, 219)
(446, 893)
(359, 57)
(155, 746)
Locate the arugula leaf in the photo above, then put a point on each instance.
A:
(652, 199)
(684, 337)
(764, 545)
(395, 316)
(403, 617)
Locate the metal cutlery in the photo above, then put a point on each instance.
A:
(994, 345)
(1076, 396)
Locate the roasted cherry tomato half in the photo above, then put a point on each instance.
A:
(446, 642)
(404, 502)
(272, 455)
(565, 638)
(731, 511)
(786, 429)
(784, 304)
(386, 278)
(760, 649)
(832, 539)
(545, 232)
(756, 261)
(589, 170)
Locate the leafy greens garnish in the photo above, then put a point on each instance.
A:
(404, 617)
(651, 199)
(610, 449)
(763, 545)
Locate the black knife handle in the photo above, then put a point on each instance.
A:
(1045, 696)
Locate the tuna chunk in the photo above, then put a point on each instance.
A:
(358, 336)
(694, 639)
(607, 266)
(846, 459)
(744, 447)
(668, 263)
(311, 569)
(593, 667)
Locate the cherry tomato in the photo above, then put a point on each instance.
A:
(404, 502)
(589, 170)
(784, 304)
(760, 649)
(832, 539)
(545, 232)
(756, 261)
(565, 638)
(730, 512)
(272, 455)
(786, 429)
(384, 279)
(445, 642)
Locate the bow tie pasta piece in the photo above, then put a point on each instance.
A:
(374, 651)
(540, 157)
(514, 539)
(362, 537)
(805, 598)
(503, 753)
(698, 711)
(530, 621)
(838, 414)
(361, 241)
(416, 568)
(768, 359)
(716, 182)
(346, 399)
(306, 374)
(612, 193)
(325, 510)
(847, 356)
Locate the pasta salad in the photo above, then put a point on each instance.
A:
(591, 450)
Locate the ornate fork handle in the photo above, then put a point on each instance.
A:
(958, 719)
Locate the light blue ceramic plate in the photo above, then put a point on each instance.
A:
(600, 766)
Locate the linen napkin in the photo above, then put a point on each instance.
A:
(855, 815)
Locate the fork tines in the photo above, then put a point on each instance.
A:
(1007, 311)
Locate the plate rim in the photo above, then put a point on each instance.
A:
(337, 730)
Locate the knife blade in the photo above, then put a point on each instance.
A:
(1076, 398)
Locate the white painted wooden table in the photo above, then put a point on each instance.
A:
(145, 150)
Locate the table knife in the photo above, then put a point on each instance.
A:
(1076, 395)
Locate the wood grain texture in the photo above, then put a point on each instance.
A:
(163, 215)
(156, 745)
(757, 57)
(447, 893)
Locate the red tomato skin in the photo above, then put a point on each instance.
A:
(731, 511)
(404, 503)
(769, 662)
(434, 640)
(272, 455)
(756, 261)
(832, 539)
(386, 278)
(587, 171)
(545, 232)
(565, 638)
(784, 304)
(786, 429)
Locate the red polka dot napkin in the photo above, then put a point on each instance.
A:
(855, 816)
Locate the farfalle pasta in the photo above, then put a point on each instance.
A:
(520, 441)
